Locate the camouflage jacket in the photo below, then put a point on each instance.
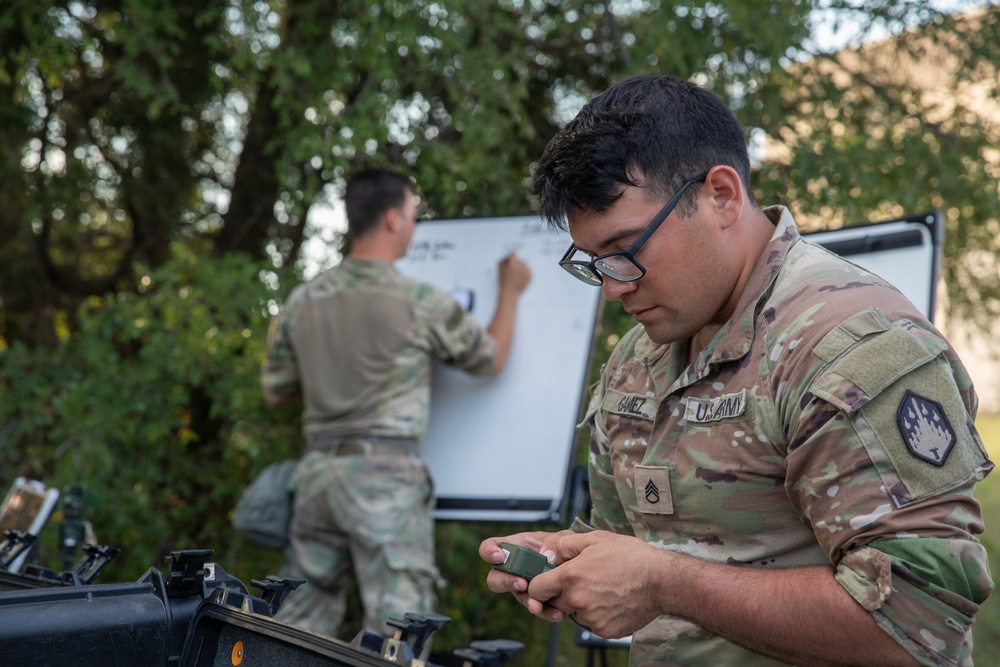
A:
(357, 342)
(828, 422)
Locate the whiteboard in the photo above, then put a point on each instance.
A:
(500, 448)
(906, 252)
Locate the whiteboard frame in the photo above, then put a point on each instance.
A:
(920, 236)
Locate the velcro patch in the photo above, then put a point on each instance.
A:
(922, 444)
(717, 408)
(641, 406)
(868, 367)
(652, 490)
(925, 428)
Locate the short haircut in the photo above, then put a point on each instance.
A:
(371, 194)
(651, 130)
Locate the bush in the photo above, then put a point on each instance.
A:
(152, 406)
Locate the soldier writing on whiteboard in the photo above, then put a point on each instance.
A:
(782, 454)
(355, 345)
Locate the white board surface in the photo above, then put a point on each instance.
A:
(500, 448)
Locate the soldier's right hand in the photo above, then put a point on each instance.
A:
(514, 274)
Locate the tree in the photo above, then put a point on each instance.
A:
(131, 124)
(901, 125)
(128, 125)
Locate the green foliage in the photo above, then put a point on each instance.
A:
(898, 126)
(132, 125)
(152, 406)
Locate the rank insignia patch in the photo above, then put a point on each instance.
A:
(926, 430)
(652, 490)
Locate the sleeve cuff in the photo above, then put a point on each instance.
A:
(932, 631)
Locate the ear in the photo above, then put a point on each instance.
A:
(724, 191)
(392, 220)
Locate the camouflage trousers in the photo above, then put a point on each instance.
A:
(365, 519)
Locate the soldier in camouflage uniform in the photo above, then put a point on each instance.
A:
(783, 453)
(356, 346)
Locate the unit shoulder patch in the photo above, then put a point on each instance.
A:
(920, 436)
(925, 428)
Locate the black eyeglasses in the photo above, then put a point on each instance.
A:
(621, 265)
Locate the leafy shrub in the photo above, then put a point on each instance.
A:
(152, 406)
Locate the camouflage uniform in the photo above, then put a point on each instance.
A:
(358, 342)
(827, 423)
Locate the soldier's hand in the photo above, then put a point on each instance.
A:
(505, 582)
(514, 274)
(605, 582)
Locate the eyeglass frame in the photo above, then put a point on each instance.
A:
(630, 252)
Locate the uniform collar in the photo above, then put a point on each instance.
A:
(733, 341)
(372, 266)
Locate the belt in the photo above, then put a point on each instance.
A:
(362, 445)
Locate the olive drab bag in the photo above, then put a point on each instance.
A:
(264, 510)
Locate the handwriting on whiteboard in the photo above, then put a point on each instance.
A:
(430, 250)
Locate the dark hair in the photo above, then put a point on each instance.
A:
(370, 194)
(660, 129)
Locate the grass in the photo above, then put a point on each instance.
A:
(986, 632)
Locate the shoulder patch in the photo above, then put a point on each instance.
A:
(849, 332)
(925, 428)
(920, 436)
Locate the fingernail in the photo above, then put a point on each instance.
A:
(517, 585)
(549, 554)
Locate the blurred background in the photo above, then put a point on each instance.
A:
(170, 169)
